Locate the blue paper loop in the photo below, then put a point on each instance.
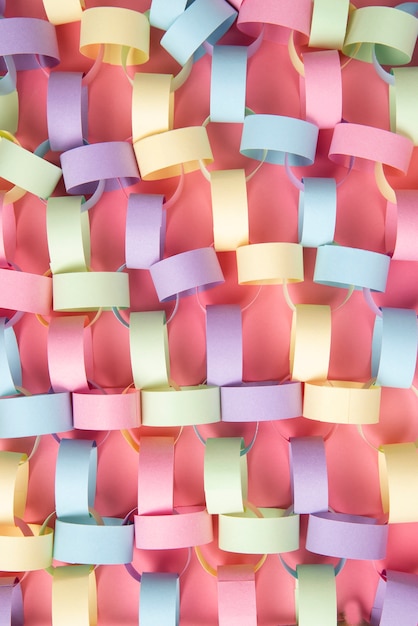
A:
(317, 212)
(30, 416)
(340, 266)
(164, 12)
(10, 366)
(228, 84)
(159, 599)
(75, 478)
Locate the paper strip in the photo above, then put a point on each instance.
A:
(316, 595)
(9, 111)
(26, 292)
(399, 600)
(89, 291)
(95, 410)
(31, 41)
(317, 211)
(224, 344)
(74, 596)
(145, 230)
(321, 91)
(159, 599)
(402, 96)
(225, 475)
(270, 263)
(164, 12)
(11, 602)
(329, 24)
(70, 353)
(10, 365)
(25, 553)
(68, 232)
(14, 477)
(152, 104)
(66, 110)
(398, 472)
(191, 405)
(189, 526)
(236, 595)
(63, 12)
(75, 478)
(340, 266)
(341, 402)
(228, 83)
(261, 402)
(229, 209)
(150, 359)
(277, 18)
(308, 474)
(310, 342)
(156, 476)
(402, 225)
(30, 416)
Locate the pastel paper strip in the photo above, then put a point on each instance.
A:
(400, 604)
(89, 291)
(11, 602)
(70, 353)
(224, 344)
(236, 595)
(329, 24)
(228, 83)
(310, 342)
(68, 232)
(14, 478)
(111, 410)
(27, 38)
(277, 18)
(398, 473)
(29, 416)
(156, 476)
(63, 12)
(394, 347)
(402, 96)
(66, 110)
(86, 543)
(189, 526)
(346, 536)
(26, 292)
(270, 263)
(10, 365)
(273, 138)
(340, 266)
(308, 474)
(229, 209)
(164, 12)
(316, 595)
(116, 28)
(75, 478)
(321, 90)
(341, 402)
(152, 104)
(191, 405)
(19, 553)
(150, 358)
(168, 154)
(159, 599)
(85, 166)
(7, 232)
(204, 20)
(317, 212)
(402, 225)
(261, 402)
(145, 230)
(74, 595)
(185, 272)
(8, 80)
(9, 111)
(225, 475)
(247, 534)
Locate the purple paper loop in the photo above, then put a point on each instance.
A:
(11, 602)
(185, 272)
(31, 41)
(261, 401)
(112, 161)
(308, 474)
(66, 110)
(346, 536)
(224, 344)
(145, 230)
(396, 600)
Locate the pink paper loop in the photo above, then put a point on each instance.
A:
(224, 344)
(70, 353)
(156, 476)
(308, 474)
(277, 18)
(7, 231)
(261, 401)
(396, 600)
(186, 527)
(25, 292)
(401, 228)
(145, 230)
(236, 595)
(183, 273)
(321, 90)
(111, 410)
(26, 38)
(111, 161)
(66, 110)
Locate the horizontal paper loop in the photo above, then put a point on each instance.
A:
(310, 342)
(111, 410)
(14, 478)
(148, 340)
(261, 402)
(159, 599)
(89, 291)
(26, 292)
(68, 232)
(145, 230)
(63, 12)
(229, 209)
(74, 595)
(225, 475)
(308, 474)
(341, 402)
(224, 344)
(275, 19)
(316, 595)
(340, 266)
(329, 24)
(270, 263)
(25, 553)
(156, 476)
(190, 526)
(189, 406)
(30, 416)
(10, 365)
(398, 472)
(152, 105)
(31, 41)
(317, 212)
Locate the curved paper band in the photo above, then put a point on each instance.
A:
(228, 83)
(112, 161)
(116, 28)
(9, 111)
(316, 595)
(317, 212)
(14, 477)
(340, 266)
(70, 353)
(30, 416)
(394, 348)
(94, 410)
(367, 143)
(224, 344)
(204, 20)
(308, 474)
(272, 138)
(74, 595)
(310, 342)
(165, 155)
(261, 402)
(66, 110)
(191, 405)
(159, 599)
(152, 105)
(396, 600)
(156, 476)
(7, 231)
(276, 18)
(190, 526)
(236, 595)
(11, 602)
(321, 90)
(229, 209)
(145, 230)
(26, 292)
(341, 402)
(75, 478)
(270, 263)
(68, 232)
(402, 95)
(164, 12)
(30, 41)
(89, 291)
(329, 24)
(247, 534)
(398, 472)
(185, 272)
(346, 536)
(402, 225)
(225, 475)
(150, 359)
(10, 366)
(63, 12)
(391, 32)
(25, 553)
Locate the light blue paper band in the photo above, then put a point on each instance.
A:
(159, 599)
(339, 266)
(203, 20)
(88, 543)
(408, 7)
(279, 136)
(75, 478)
(164, 12)
(394, 348)
(10, 366)
(228, 84)
(29, 416)
(317, 212)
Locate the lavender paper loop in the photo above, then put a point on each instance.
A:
(308, 474)
(145, 230)
(31, 41)
(185, 272)
(66, 110)
(11, 603)
(224, 344)
(346, 536)
(261, 402)
(111, 161)
(396, 600)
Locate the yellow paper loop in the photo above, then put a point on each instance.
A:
(152, 105)
(89, 291)
(403, 96)
(225, 475)
(270, 263)
(64, 11)
(310, 342)
(149, 349)
(398, 473)
(329, 24)
(14, 477)
(19, 553)
(68, 232)
(184, 407)
(74, 596)
(316, 595)
(342, 402)
(229, 209)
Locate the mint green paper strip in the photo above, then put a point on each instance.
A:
(148, 340)
(186, 407)
(225, 475)
(316, 595)
(68, 232)
(403, 98)
(89, 291)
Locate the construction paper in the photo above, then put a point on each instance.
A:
(69, 353)
(156, 476)
(317, 211)
(329, 24)
(224, 344)
(159, 599)
(75, 478)
(308, 474)
(150, 357)
(229, 209)
(145, 230)
(187, 526)
(236, 595)
(225, 475)
(228, 82)
(106, 409)
(152, 105)
(310, 342)
(10, 364)
(398, 476)
(74, 595)
(316, 595)
(68, 232)
(399, 599)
